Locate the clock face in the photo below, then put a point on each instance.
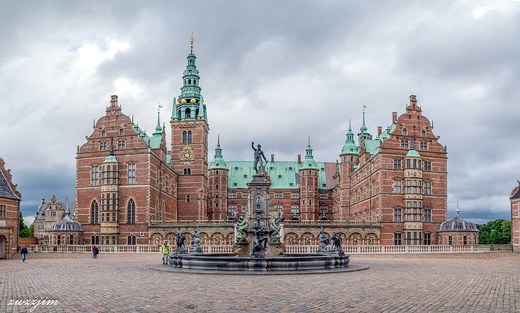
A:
(187, 155)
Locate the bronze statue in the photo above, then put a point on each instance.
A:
(336, 242)
(259, 154)
(259, 240)
(241, 230)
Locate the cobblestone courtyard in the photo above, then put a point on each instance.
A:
(399, 283)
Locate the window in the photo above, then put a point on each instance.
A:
(423, 145)
(397, 186)
(103, 145)
(397, 164)
(405, 144)
(450, 240)
(232, 208)
(427, 166)
(324, 210)
(427, 187)
(232, 195)
(427, 240)
(413, 238)
(324, 196)
(188, 198)
(94, 240)
(405, 132)
(121, 132)
(465, 240)
(187, 171)
(94, 213)
(295, 195)
(278, 195)
(423, 133)
(103, 133)
(427, 215)
(397, 239)
(94, 175)
(71, 239)
(130, 216)
(397, 215)
(121, 144)
(413, 211)
(3, 210)
(186, 137)
(132, 240)
(132, 173)
(295, 210)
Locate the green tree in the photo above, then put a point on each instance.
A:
(23, 230)
(495, 232)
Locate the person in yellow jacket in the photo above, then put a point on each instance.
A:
(165, 250)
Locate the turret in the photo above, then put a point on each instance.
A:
(218, 183)
(309, 194)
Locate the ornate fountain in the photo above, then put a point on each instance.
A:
(259, 246)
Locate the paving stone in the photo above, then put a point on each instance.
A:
(394, 283)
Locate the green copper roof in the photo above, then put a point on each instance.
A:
(283, 174)
(154, 142)
(218, 160)
(111, 159)
(350, 146)
(308, 162)
(412, 153)
(190, 88)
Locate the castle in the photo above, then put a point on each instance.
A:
(131, 188)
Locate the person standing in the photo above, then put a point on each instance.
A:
(24, 253)
(95, 251)
(165, 250)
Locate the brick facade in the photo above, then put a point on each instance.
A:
(9, 213)
(515, 218)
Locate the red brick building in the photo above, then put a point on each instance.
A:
(388, 189)
(515, 218)
(9, 213)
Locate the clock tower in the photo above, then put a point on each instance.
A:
(189, 142)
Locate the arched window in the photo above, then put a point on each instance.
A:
(187, 171)
(405, 132)
(131, 212)
(423, 133)
(94, 213)
(187, 113)
(121, 132)
(132, 240)
(189, 136)
(103, 133)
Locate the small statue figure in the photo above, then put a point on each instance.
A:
(259, 154)
(241, 230)
(275, 229)
(195, 242)
(258, 204)
(324, 241)
(259, 240)
(180, 242)
(336, 242)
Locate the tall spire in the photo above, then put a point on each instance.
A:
(350, 146)
(363, 126)
(190, 91)
(363, 134)
(158, 128)
(309, 162)
(218, 160)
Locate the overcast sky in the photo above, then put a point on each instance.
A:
(273, 72)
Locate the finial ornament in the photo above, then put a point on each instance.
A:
(192, 39)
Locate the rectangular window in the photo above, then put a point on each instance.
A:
(427, 166)
(423, 145)
(465, 240)
(397, 164)
(3, 210)
(121, 144)
(232, 208)
(397, 239)
(427, 187)
(324, 196)
(450, 240)
(295, 210)
(94, 175)
(427, 215)
(295, 195)
(188, 198)
(232, 195)
(132, 173)
(397, 186)
(398, 215)
(427, 239)
(278, 195)
(103, 145)
(404, 144)
(324, 210)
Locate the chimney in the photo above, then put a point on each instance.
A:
(379, 130)
(272, 158)
(394, 117)
(299, 159)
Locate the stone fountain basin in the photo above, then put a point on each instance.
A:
(326, 262)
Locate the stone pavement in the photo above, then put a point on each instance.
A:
(394, 283)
